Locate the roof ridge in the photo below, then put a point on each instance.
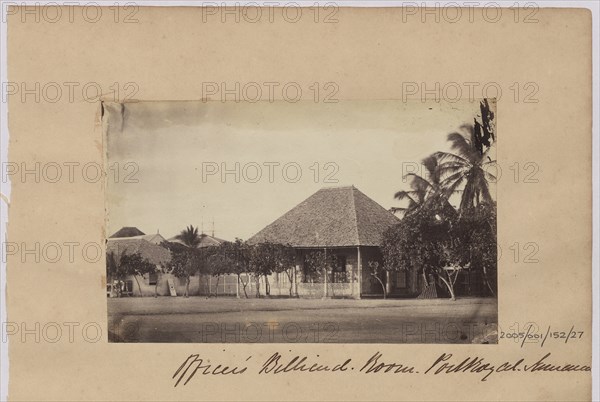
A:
(381, 207)
(352, 193)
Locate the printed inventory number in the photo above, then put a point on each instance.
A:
(566, 335)
(560, 335)
(531, 333)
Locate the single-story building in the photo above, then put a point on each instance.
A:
(343, 222)
(148, 246)
(131, 240)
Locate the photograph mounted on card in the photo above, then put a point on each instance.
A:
(336, 203)
(353, 222)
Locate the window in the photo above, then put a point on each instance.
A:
(152, 278)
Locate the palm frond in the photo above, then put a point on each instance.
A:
(402, 195)
(444, 156)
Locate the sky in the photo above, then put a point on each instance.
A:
(275, 155)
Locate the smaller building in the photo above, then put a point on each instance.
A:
(149, 247)
(131, 240)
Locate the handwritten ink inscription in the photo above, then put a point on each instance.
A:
(446, 363)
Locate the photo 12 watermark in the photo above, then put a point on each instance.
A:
(70, 12)
(270, 172)
(270, 91)
(470, 11)
(68, 172)
(452, 92)
(270, 12)
(52, 252)
(67, 91)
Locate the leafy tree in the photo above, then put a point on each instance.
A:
(138, 266)
(267, 258)
(185, 262)
(421, 242)
(315, 263)
(477, 236)
(119, 265)
(431, 242)
(285, 262)
(242, 256)
(319, 265)
(259, 265)
(220, 260)
(435, 239)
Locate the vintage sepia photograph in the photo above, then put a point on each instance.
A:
(279, 222)
(299, 201)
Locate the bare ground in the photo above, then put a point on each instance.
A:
(230, 320)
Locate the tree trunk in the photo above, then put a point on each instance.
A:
(267, 286)
(138, 283)
(244, 284)
(156, 285)
(388, 282)
(487, 282)
(257, 280)
(187, 287)
(217, 286)
(382, 286)
(331, 278)
(450, 288)
(295, 273)
(289, 275)
(118, 288)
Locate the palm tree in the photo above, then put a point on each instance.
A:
(189, 237)
(467, 166)
(424, 190)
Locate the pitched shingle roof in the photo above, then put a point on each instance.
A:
(149, 251)
(127, 231)
(155, 238)
(205, 240)
(331, 217)
(209, 241)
